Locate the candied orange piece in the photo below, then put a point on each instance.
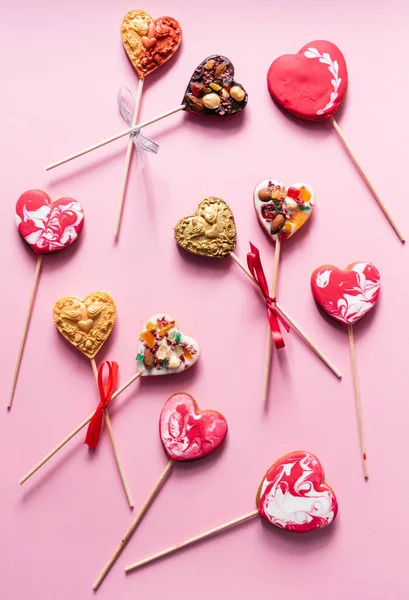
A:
(165, 328)
(299, 218)
(305, 195)
(187, 354)
(148, 338)
(151, 326)
(285, 231)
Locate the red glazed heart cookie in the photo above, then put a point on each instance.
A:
(346, 295)
(312, 83)
(282, 211)
(188, 433)
(212, 89)
(149, 42)
(293, 495)
(48, 226)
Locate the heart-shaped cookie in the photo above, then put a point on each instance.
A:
(149, 42)
(45, 225)
(188, 433)
(293, 495)
(85, 323)
(280, 210)
(346, 294)
(211, 231)
(163, 349)
(312, 83)
(212, 89)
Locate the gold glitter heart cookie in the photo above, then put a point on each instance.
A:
(211, 231)
(85, 323)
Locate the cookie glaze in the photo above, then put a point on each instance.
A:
(294, 497)
(163, 349)
(45, 225)
(283, 211)
(312, 83)
(346, 295)
(188, 433)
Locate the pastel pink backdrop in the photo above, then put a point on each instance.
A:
(62, 64)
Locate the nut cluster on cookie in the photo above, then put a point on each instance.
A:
(281, 210)
(163, 348)
(212, 89)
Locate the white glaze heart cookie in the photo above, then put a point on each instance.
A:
(283, 211)
(163, 349)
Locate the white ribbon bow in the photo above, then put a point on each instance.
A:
(142, 143)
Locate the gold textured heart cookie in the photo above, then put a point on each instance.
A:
(149, 42)
(211, 231)
(85, 323)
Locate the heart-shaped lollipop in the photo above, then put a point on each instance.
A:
(293, 495)
(348, 294)
(283, 211)
(211, 231)
(186, 431)
(85, 323)
(45, 225)
(164, 349)
(312, 83)
(212, 89)
(149, 42)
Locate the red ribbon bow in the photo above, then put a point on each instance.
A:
(274, 317)
(105, 394)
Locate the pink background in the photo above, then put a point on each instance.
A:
(62, 64)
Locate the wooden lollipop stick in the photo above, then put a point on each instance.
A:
(74, 432)
(365, 178)
(128, 157)
(192, 540)
(291, 321)
(269, 336)
(134, 525)
(358, 403)
(113, 138)
(25, 330)
(114, 446)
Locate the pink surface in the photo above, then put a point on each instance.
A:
(62, 66)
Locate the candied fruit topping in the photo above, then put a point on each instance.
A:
(164, 329)
(305, 194)
(293, 193)
(187, 354)
(268, 212)
(148, 338)
(299, 218)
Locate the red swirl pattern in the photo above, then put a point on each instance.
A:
(188, 433)
(346, 295)
(292, 495)
(48, 226)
